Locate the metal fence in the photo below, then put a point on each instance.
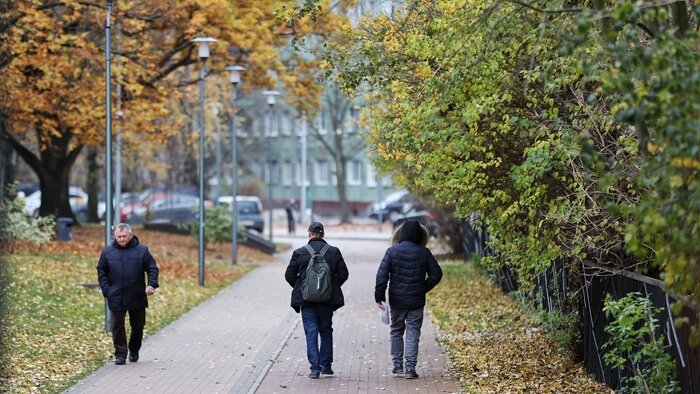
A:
(553, 293)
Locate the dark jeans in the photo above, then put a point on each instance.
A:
(410, 321)
(137, 320)
(318, 322)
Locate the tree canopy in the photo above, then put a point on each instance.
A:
(52, 65)
(572, 129)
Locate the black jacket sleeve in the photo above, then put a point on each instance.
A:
(382, 279)
(103, 274)
(434, 273)
(151, 269)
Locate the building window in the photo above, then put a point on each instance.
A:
(286, 123)
(322, 123)
(287, 173)
(354, 174)
(371, 176)
(321, 172)
(274, 167)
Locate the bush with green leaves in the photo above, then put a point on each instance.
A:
(217, 225)
(15, 226)
(635, 346)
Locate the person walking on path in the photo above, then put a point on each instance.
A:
(410, 271)
(121, 273)
(291, 225)
(317, 317)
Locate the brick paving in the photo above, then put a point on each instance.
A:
(247, 339)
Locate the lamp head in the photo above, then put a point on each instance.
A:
(271, 94)
(203, 46)
(236, 72)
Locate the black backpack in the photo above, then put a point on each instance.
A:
(317, 284)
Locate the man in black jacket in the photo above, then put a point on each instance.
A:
(410, 271)
(121, 272)
(317, 317)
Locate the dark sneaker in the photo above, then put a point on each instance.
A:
(120, 361)
(397, 371)
(314, 374)
(133, 357)
(327, 371)
(410, 374)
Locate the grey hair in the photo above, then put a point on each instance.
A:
(122, 227)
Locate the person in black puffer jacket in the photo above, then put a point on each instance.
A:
(121, 272)
(317, 317)
(410, 270)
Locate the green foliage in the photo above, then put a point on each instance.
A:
(651, 75)
(218, 225)
(633, 342)
(574, 136)
(563, 328)
(15, 226)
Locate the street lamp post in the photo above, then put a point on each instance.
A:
(235, 82)
(271, 98)
(303, 169)
(203, 56)
(108, 142)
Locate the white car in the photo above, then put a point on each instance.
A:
(76, 197)
(250, 213)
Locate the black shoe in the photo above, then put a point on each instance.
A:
(327, 371)
(120, 361)
(133, 357)
(397, 371)
(410, 374)
(314, 374)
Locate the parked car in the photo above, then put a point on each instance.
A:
(391, 206)
(76, 197)
(130, 202)
(174, 208)
(26, 189)
(421, 215)
(250, 213)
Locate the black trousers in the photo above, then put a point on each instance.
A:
(137, 321)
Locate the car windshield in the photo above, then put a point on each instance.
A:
(247, 207)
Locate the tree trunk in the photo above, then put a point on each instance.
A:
(93, 185)
(52, 167)
(7, 173)
(342, 191)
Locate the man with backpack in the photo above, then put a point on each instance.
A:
(316, 272)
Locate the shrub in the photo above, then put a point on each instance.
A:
(633, 343)
(15, 226)
(218, 225)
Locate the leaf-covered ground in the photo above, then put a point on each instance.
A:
(496, 346)
(54, 322)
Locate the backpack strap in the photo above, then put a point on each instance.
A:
(310, 249)
(324, 249)
(322, 252)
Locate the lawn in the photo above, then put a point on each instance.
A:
(54, 315)
(497, 346)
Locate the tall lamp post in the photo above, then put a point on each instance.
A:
(271, 98)
(203, 56)
(236, 72)
(108, 142)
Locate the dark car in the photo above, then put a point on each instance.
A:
(421, 215)
(391, 207)
(174, 208)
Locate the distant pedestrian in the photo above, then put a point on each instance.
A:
(122, 271)
(317, 317)
(410, 270)
(289, 208)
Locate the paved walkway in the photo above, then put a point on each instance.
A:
(246, 339)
